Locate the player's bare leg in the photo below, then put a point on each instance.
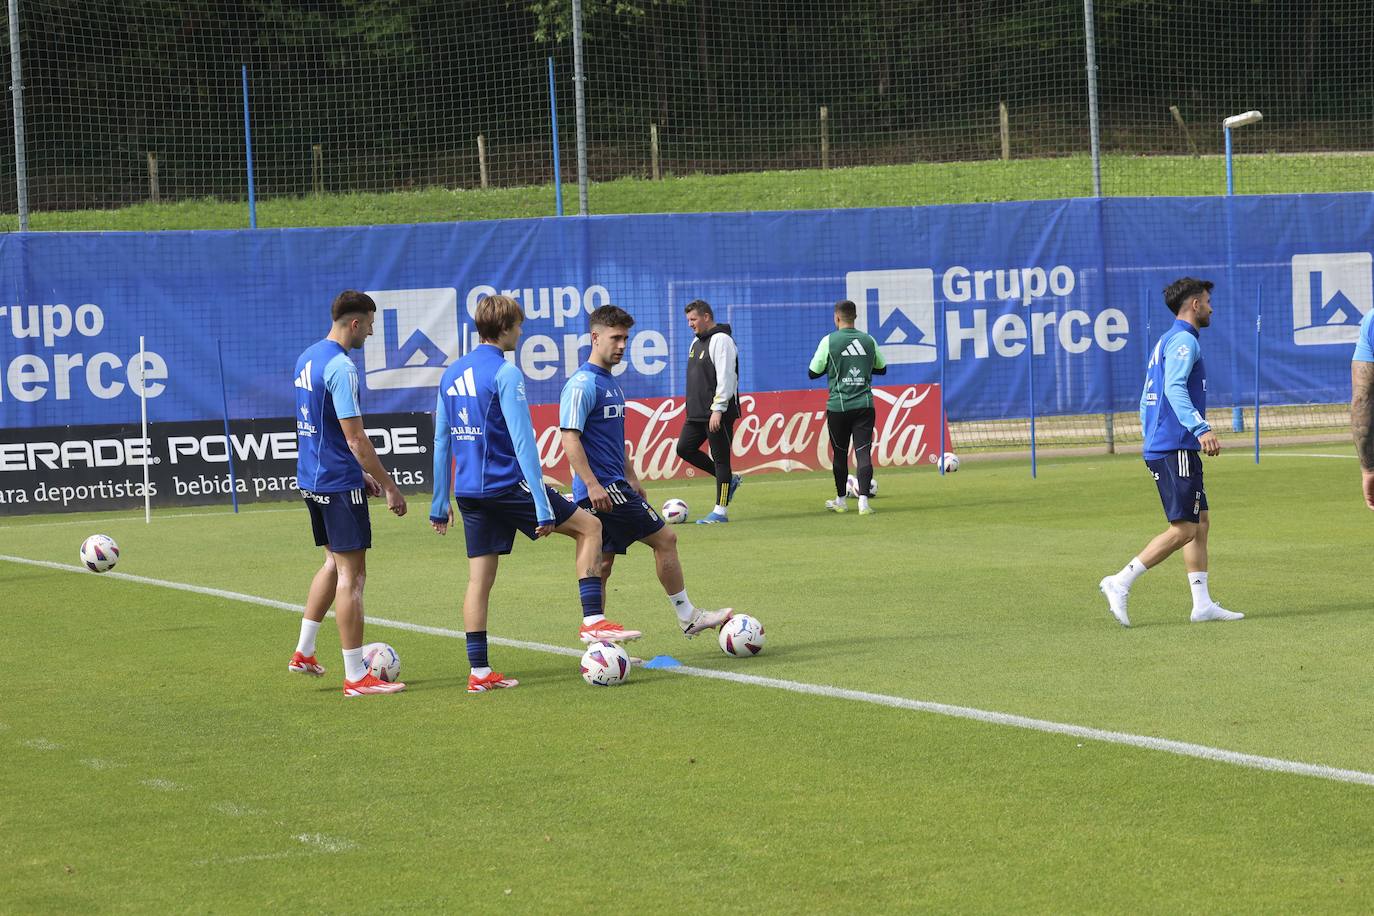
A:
(1195, 560)
(476, 603)
(1117, 588)
(348, 613)
(668, 566)
(592, 571)
(317, 602)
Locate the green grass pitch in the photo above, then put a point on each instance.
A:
(158, 756)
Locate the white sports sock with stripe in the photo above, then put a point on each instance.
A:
(1132, 571)
(1197, 581)
(682, 606)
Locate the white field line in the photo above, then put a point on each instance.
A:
(1180, 748)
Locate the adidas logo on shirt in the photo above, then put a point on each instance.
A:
(464, 386)
(303, 380)
(854, 349)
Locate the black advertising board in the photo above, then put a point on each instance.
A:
(95, 468)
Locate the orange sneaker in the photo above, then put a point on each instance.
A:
(305, 664)
(607, 631)
(370, 684)
(493, 681)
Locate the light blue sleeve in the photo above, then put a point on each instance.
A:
(341, 378)
(576, 402)
(510, 388)
(1364, 347)
(1179, 360)
(443, 464)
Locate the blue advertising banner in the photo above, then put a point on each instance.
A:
(1059, 296)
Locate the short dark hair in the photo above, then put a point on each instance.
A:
(1183, 289)
(701, 306)
(846, 310)
(351, 302)
(495, 315)
(611, 316)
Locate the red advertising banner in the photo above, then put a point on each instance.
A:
(778, 431)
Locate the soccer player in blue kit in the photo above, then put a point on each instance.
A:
(484, 444)
(591, 415)
(1173, 410)
(337, 468)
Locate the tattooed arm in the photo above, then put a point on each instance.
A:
(1362, 422)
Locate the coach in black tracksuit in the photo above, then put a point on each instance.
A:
(712, 404)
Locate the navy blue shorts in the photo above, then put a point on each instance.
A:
(1179, 478)
(340, 520)
(631, 518)
(490, 522)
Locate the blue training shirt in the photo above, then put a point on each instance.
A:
(593, 403)
(1364, 347)
(482, 426)
(1173, 405)
(326, 392)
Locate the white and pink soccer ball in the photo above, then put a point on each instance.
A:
(99, 553)
(605, 664)
(675, 511)
(951, 462)
(741, 636)
(382, 661)
(852, 487)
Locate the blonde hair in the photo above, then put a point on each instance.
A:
(496, 315)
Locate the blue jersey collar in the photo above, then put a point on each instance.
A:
(593, 367)
(1180, 324)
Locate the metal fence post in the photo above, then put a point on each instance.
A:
(1090, 45)
(579, 79)
(21, 170)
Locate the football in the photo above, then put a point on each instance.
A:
(951, 462)
(382, 661)
(675, 512)
(99, 553)
(605, 664)
(741, 636)
(852, 487)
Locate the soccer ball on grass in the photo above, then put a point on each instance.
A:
(382, 661)
(741, 636)
(675, 512)
(605, 664)
(852, 487)
(951, 462)
(99, 553)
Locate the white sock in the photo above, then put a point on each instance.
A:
(480, 673)
(719, 510)
(839, 501)
(1132, 571)
(863, 502)
(306, 645)
(354, 669)
(1198, 582)
(683, 606)
(593, 618)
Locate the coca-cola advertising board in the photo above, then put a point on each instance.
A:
(83, 469)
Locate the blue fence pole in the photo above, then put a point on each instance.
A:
(1259, 305)
(1030, 355)
(228, 440)
(248, 152)
(944, 415)
(553, 117)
